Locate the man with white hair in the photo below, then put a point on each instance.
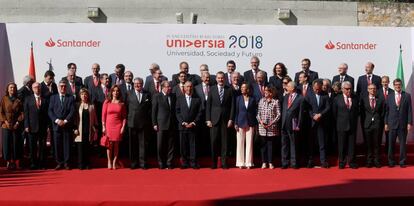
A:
(26, 89)
(250, 76)
(343, 76)
(345, 111)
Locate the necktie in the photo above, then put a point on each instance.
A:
(157, 86)
(290, 100)
(139, 97)
(254, 76)
(317, 99)
(105, 91)
(385, 94)
(348, 103)
(304, 90)
(398, 96)
(372, 103)
(62, 99)
(129, 87)
(188, 101)
(182, 89)
(230, 82)
(117, 80)
(369, 79)
(221, 94)
(38, 102)
(262, 90)
(73, 87)
(342, 79)
(95, 81)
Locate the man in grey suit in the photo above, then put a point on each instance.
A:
(139, 109)
(398, 120)
(291, 118)
(219, 117)
(164, 122)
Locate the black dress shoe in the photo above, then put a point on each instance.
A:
(377, 165)
(144, 167)
(403, 166)
(284, 167)
(391, 165)
(161, 167)
(33, 167)
(58, 167)
(196, 166)
(184, 166)
(325, 165)
(67, 167)
(133, 166)
(170, 167)
(369, 164)
(214, 166)
(295, 167)
(309, 165)
(341, 166)
(353, 166)
(225, 167)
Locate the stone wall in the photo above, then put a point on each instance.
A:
(385, 14)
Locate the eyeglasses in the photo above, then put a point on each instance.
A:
(62, 85)
(347, 88)
(285, 82)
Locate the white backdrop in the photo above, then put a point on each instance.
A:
(139, 45)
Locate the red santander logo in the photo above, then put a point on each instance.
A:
(72, 43)
(329, 45)
(50, 43)
(350, 45)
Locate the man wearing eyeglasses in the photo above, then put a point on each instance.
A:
(312, 75)
(250, 76)
(345, 111)
(61, 110)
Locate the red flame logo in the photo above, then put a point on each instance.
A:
(50, 43)
(329, 45)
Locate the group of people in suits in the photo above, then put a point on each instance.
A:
(307, 115)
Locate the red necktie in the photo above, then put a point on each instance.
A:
(73, 88)
(385, 94)
(38, 103)
(182, 89)
(348, 103)
(290, 100)
(304, 90)
(369, 79)
(157, 87)
(95, 81)
(106, 91)
(372, 103)
(262, 90)
(398, 99)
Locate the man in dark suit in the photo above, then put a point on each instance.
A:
(366, 79)
(72, 67)
(164, 122)
(304, 88)
(312, 75)
(318, 111)
(61, 111)
(48, 88)
(35, 116)
(372, 111)
(291, 117)
(26, 90)
(383, 93)
(139, 109)
(178, 90)
(183, 68)
(330, 137)
(118, 76)
(259, 86)
(345, 111)
(188, 110)
(153, 68)
(236, 84)
(100, 95)
(202, 90)
(398, 120)
(153, 85)
(72, 87)
(92, 81)
(219, 117)
(127, 85)
(231, 68)
(343, 76)
(250, 75)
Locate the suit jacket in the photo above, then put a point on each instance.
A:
(346, 119)
(249, 78)
(175, 80)
(236, 92)
(226, 79)
(88, 83)
(256, 93)
(198, 90)
(309, 90)
(188, 114)
(24, 92)
(176, 90)
(139, 112)
(380, 94)
(398, 117)
(77, 89)
(372, 118)
(348, 78)
(64, 111)
(312, 76)
(163, 114)
(124, 90)
(34, 118)
(45, 92)
(150, 86)
(245, 117)
(198, 79)
(292, 113)
(78, 80)
(150, 78)
(362, 84)
(313, 107)
(112, 79)
(277, 83)
(216, 110)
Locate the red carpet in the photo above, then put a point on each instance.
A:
(208, 187)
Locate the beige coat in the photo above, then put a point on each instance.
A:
(93, 122)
